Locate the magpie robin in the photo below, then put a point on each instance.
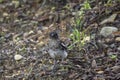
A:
(57, 49)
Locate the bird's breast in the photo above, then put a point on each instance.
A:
(57, 53)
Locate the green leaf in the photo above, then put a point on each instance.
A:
(87, 5)
(1, 1)
(113, 56)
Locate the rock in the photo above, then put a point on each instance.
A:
(112, 45)
(107, 40)
(117, 39)
(5, 14)
(117, 76)
(94, 64)
(18, 57)
(39, 32)
(7, 36)
(40, 44)
(110, 19)
(115, 68)
(118, 48)
(108, 30)
(45, 28)
(27, 34)
(112, 53)
(100, 72)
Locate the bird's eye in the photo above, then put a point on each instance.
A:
(54, 35)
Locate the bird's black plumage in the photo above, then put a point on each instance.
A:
(57, 49)
(53, 35)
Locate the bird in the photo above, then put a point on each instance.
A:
(57, 48)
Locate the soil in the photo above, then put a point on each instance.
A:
(24, 30)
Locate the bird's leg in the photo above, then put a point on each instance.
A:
(54, 66)
(62, 60)
(55, 62)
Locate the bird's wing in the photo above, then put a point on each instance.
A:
(62, 45)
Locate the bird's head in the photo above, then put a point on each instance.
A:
(54, 35)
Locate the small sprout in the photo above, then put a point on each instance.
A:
(113, 57)
(1, 1)
(16, 3)
(87, 5)
(78, 39)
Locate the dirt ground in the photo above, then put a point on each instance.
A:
(24, 30)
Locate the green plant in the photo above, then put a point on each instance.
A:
(113, 57)
(80, 16)
(1, 1)
(78, 35)
(86, 5)
(77, 39)
(78, 22)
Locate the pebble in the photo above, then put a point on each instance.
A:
(18, 57)
(94, 64)
(108, 30)
(117, 39)
(40, 44)
(118, 48)
(115, 68)
(45, 28)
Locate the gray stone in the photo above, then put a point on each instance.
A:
(108, 30)
(118, 48)
(117, 39)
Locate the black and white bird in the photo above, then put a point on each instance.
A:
(57, 49)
